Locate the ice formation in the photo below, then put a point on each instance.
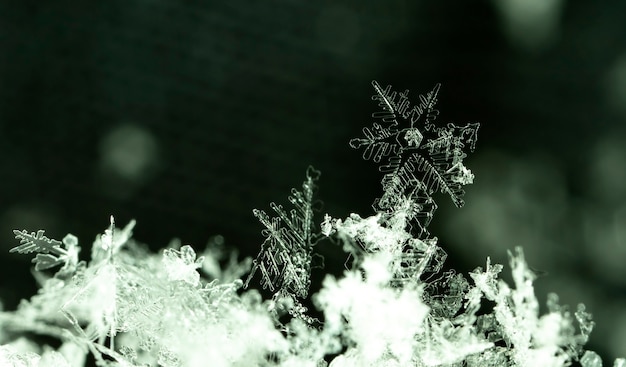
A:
(394, 305)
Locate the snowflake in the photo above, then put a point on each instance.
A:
(418, 158)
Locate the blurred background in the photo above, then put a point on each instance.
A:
(186, 115)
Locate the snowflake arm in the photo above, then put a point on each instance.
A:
(285, 257)
(50, 252)
(36, 242)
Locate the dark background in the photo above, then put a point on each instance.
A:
(186, 115)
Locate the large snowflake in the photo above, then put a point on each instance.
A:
(417, 157)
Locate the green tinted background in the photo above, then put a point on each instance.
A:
(186, 115)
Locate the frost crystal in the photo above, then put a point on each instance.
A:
(393, 306)
(182, 264)
(286, 254)
(50, 252)
(591, 359)
(128, 307)
(417, 157)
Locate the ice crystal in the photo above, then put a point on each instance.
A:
(50, 252)
(417, 157)
(286, 254)
(137, 308)
(591, 359)
(182, 264)
(352, 308)
(11, 356)
(410, 257)
(394, 305)
(548, 340)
